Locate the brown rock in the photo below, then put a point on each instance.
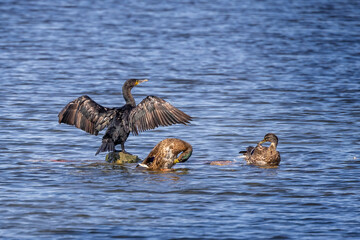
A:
(221, 162)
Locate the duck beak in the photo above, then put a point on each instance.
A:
(176, 161)
(262, 141)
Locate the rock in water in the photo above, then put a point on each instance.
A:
(221, 162)
(120, 158)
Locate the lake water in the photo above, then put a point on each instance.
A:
(241, 69)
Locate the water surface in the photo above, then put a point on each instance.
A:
(241, 69)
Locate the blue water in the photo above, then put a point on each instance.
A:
(241, 69)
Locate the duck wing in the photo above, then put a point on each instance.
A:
(153, 112)
(86, 114)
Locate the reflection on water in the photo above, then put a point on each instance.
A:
(240, 70)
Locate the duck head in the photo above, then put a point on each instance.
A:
(270, 137)
(184, 156)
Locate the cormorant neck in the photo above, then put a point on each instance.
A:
(126, 90)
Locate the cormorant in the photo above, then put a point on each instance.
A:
(263, 156)
(150, 113)
(164, 155)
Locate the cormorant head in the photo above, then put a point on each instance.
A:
(270, 137)
(126, 90)
(134, 82)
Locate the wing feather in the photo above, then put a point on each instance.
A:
(153, 112)
(171, 118)
(86, 114)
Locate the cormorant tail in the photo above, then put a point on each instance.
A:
(106, 147)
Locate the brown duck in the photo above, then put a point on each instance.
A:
(263, 156)
(165, 154)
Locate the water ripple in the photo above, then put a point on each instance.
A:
(241, 70)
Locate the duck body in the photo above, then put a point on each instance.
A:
(165, 154)
(261, 155)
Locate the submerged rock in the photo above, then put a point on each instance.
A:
(222, 162)
(120, 158)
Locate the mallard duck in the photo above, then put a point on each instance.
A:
(263, 156)
(150, 113)
(164, 155)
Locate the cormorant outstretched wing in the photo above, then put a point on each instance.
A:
(87, 115)
(153, 112)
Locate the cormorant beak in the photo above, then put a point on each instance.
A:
(144, 80)
(140, 81)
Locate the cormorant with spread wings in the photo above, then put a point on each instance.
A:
(151, 112)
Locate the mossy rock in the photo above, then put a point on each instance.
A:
(120, 158)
